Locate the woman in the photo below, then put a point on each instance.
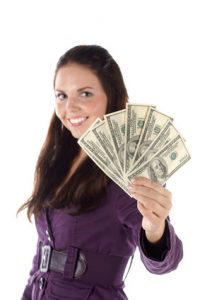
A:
(87, 226)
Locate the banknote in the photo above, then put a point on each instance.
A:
(92, 147)
(154, 122)
(167, 133)
(91, 144)
(116, 126)
(134, 120)
(165, 162)
(103, 135)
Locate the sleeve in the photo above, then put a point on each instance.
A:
(35, 265)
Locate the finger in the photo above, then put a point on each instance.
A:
(153, 207)
(143, 192)
(143, 181)
(146, 213)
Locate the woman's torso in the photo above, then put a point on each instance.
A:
(102, 231)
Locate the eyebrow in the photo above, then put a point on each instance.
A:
(79, 90)
(84, 88)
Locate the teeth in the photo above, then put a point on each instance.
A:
(77, 120)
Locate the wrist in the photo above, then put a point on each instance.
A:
(153, 236)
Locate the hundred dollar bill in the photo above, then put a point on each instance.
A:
(165, 162)
(134, 120)
(167, 133)
(154, 122)
(92, 147)
(116, 125)
(103, 135)
(89, 142)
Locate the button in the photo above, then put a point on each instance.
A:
(41, 283)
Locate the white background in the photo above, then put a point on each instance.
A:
(157, 46)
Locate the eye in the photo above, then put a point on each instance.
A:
(61, 96)
(86, 94)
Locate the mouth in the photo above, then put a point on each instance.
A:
(77, 121)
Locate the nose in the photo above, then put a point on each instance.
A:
(71, 104)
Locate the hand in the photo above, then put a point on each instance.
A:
(154, 203)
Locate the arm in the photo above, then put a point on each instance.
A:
(160, 248)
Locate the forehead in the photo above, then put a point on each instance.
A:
(75, 74)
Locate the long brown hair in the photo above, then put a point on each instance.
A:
(85, 188)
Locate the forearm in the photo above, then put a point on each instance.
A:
(153, 236)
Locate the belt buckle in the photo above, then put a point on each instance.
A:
(45, 258)
(81, 266)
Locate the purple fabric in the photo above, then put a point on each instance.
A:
(112, 229)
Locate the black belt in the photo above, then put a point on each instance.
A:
(94, 268)
(52, 260)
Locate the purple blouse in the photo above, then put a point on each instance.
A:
(114, 229)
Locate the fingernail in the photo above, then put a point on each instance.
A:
(133, 180)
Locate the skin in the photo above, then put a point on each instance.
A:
(154, 203)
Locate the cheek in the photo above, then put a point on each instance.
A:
(59, 112)
(100, 109)
(56, 110)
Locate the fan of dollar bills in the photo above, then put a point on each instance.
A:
(136, 141)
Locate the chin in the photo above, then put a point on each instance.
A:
(77, 135)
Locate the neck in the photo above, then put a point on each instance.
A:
(78, 160)
(82, 156)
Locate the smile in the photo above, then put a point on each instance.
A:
(77, 121)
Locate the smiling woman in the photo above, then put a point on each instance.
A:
(87, 226)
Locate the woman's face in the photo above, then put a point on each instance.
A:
(80, 98)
